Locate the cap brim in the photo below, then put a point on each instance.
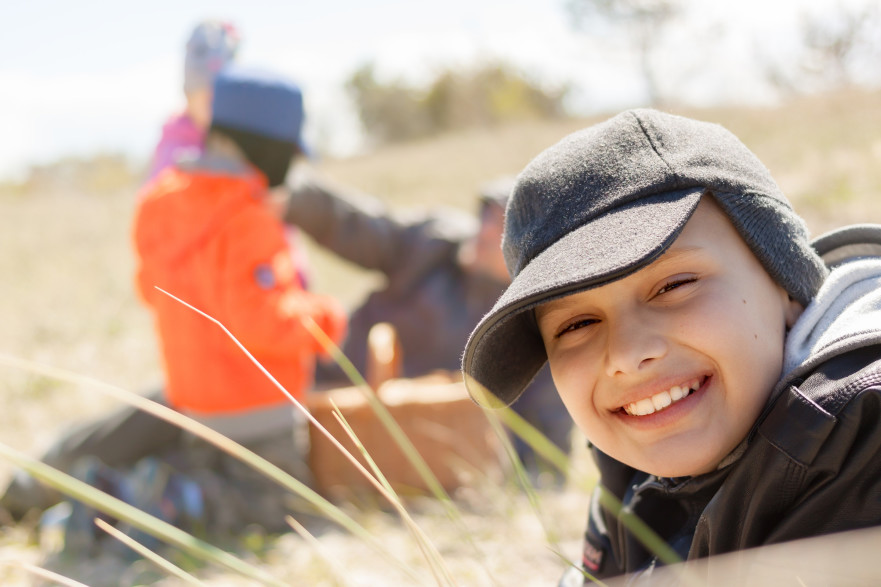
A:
(505, 351)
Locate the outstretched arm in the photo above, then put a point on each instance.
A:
(353, 225)
(361, 229)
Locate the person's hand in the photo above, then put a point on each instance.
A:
(326, 311)
(276, 201)
(331, 317)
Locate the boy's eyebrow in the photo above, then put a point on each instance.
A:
(674, 254)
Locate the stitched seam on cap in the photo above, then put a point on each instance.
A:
(655, 148)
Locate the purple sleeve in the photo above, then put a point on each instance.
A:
(180, 136)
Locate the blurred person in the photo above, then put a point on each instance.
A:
(444, 269)
(204, 231)
(211, 46)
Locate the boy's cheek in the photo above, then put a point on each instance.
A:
(577, 404)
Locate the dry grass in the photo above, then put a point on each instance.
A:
(67, 300)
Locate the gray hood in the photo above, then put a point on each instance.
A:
(846, 312)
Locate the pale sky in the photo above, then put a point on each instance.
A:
(80, 77)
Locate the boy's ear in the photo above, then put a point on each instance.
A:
(792, 311)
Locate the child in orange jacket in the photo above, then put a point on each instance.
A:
(205, 232)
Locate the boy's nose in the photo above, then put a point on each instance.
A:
(632, 343)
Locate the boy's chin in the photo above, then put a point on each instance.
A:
(680, 472)
(679, 467)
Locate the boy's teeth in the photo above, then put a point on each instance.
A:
(643, 407)
(659, 401)
(662, 400)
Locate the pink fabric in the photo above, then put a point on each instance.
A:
(298, 254)
(180, 137)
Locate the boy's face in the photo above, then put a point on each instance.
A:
(667, 370)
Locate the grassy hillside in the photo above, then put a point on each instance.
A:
(824, 152)
(67, 297)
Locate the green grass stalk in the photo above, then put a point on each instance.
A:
(117, 508)
(585, 574)
(393, 428)
(46, 574)
(332, 512)
(520, 472)
(377, 473)
(536, 440)
(385, 417)
(307, 536)
(648, 537)
(148, 554)
(432, 555)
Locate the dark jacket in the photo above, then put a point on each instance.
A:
(428, 297)
(811, 464)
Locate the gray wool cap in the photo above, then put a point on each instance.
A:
(605, 202)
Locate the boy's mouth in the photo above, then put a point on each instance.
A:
(665, 399)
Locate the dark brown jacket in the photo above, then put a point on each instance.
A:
(428, 297)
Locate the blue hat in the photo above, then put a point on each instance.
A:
(259, 102)
(211, 45)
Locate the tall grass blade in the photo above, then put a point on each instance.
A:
(648, 537)
(148, 554)
(332, 512)
(344, 362)
(117, 508)
(377, 473)
(520, 472)
(432, 556)
(385, 417)
(391, 497)
(536, 440)
(593, 580)
(46, 574)
(336, 576)
(394, 429)
(654, 543)
(494, 416)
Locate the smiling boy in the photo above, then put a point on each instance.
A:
(649, 365)
(726, 370)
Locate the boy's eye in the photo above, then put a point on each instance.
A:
(674, 284)
(575, 325)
